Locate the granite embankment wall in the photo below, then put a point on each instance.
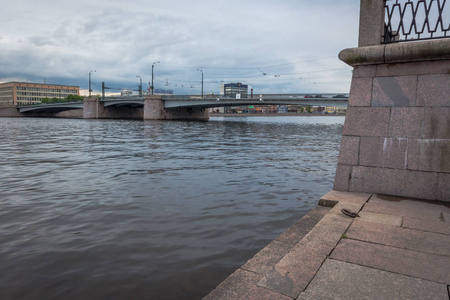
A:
(396, 137)
(13, 112)
(9, 112)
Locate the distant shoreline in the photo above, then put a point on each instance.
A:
(276, 115)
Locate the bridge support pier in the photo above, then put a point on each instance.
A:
(94, 109)
(154, 110)
(91, 107)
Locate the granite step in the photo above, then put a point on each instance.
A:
(397, 245)
(242, 284)
(292, 274)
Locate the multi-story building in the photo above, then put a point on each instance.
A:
(232, 89)
(22, 93)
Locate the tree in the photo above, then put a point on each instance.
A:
(70, 98)
(74, 98)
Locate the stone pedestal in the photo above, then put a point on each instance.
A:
(396, 137)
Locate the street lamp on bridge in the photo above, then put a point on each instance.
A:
(200, 70)
(90, 90)
(153, 66)
(140, 86)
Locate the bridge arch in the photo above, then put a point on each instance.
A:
(51, 108)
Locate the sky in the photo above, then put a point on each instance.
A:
(274, 46)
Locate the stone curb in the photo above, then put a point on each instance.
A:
(283, 270)
(295, 271)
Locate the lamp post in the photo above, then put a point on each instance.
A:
(90, 90)
(153, 66)
(202, 79)
(140, 86)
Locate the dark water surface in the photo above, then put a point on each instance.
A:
(100, 209)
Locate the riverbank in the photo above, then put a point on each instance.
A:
(396, 248)
(276, 115)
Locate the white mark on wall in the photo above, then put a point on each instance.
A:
(393, 149)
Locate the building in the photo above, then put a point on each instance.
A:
(23, 93)
(233, 89)
(163, 92)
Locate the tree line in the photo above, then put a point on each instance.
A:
(70, 98)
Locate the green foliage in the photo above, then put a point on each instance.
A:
(70, 98)
(50, 100)
(308, 109)
(74, 98)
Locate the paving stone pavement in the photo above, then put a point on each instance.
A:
(349, 281)
(398, 248)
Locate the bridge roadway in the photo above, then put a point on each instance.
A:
(209, 101)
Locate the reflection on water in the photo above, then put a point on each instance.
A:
(141, 210)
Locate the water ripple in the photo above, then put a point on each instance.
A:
(118, 209)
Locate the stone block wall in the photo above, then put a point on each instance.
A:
(91, 107)
(396, 137)
(153, 108)
(10, 112)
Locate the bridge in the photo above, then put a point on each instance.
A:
(50, 107)
(210, 101)
(173, 106)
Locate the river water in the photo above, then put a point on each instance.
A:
(115, 209)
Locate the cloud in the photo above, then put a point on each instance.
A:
(297, 40)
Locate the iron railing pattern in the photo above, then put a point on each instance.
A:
(412, 20)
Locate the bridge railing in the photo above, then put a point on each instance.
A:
(257, 96)
(123, 97)
(329, 96)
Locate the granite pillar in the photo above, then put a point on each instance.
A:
(396, 137)
(154, 110)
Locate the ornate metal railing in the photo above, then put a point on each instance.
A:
(412, 20)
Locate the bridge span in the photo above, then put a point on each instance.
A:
(223, 101)
(50, 107)
(210, 101)
(178, 106)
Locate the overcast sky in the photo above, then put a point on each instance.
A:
(282, 46)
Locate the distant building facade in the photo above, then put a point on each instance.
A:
(232, 89)
(23, 93)
(163, 91)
